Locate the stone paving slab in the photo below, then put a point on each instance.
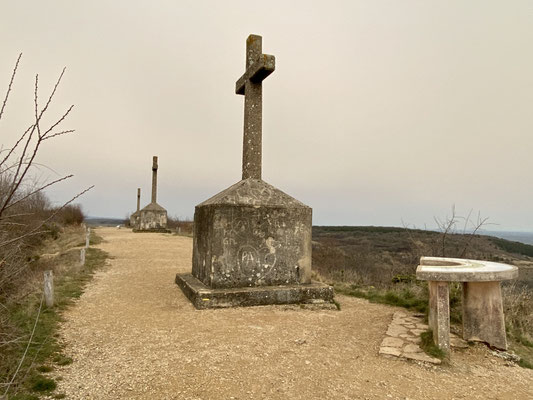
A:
(402, 338)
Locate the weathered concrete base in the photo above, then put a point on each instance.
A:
(439, 313)
(483, 319)
(203, 297)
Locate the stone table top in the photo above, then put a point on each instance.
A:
(463, 270)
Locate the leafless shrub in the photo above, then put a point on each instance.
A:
(70, 215)
(26, 217)
(448, 226)
(451, 242)
(518, 309)
(181, 225)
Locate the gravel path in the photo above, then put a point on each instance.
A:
(133, 335)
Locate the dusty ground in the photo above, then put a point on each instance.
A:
(133, 335)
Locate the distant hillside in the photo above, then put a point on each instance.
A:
(522, 237)
(370, 255)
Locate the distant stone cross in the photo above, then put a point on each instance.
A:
(258, 67)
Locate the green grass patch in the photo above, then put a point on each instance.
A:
(525, 363)
(24, 396)
(40, 383)
(428, 345)
(524, 341)
(405, 298)
(69, 282)
(62, 360)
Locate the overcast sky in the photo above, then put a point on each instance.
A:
(378, 112)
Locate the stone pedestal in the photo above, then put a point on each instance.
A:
(439, 313)
(483, 319)
(134, 219)
(252, 246)
(152, 218)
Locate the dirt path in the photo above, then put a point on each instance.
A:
(133, 335)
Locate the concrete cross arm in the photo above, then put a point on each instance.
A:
(259, 70)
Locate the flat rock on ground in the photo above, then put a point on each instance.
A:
(134, 335)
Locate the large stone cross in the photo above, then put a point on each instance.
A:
(258, 67)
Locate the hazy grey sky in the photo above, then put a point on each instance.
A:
(378, 111)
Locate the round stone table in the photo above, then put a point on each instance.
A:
(483, 318)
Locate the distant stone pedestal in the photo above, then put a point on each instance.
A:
(252, 246)
(483, 318)
(152, 218)
(136, 216)
(134, 219)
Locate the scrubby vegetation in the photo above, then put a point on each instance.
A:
(428, 345)
(28, 335)
(29, 227)
(513, 247)
(183, 226)
(379, 264)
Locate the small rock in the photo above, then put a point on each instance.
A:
(421, 357)
(390, 351)
(412, 348)
(392, 342)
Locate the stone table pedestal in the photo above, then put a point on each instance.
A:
(483, 318)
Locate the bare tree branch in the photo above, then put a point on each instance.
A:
(16, 145)
(57, 123)
(10, 85)
(58, 134)
(38, 190)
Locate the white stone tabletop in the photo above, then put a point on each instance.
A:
(463, 270)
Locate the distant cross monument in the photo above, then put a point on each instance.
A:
(153, 217)
(154, 180)
(135, 217)
(252, 242)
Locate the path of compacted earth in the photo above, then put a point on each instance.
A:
(134, 335)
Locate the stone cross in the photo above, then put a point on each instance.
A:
(258, 67)
(154, 180)
(138, 199)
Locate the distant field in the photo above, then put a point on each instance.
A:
(97, 221)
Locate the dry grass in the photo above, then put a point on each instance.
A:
(379, 264)
(23, 314)
(518, 308)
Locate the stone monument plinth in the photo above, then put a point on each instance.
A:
(153, 217)
(135, 217)
(252, 242)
